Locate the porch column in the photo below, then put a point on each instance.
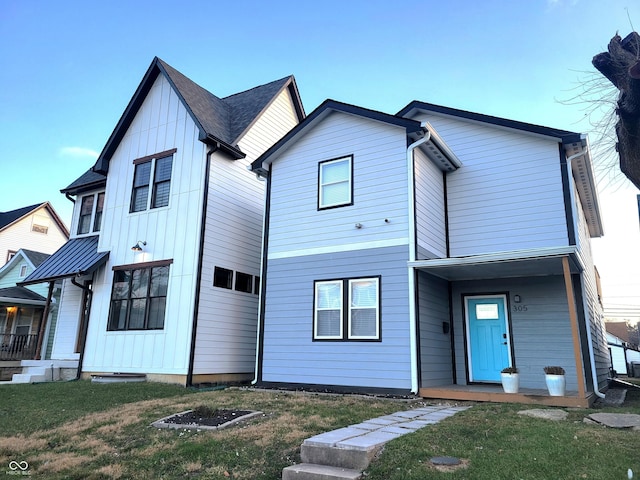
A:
(573, 318)
(45, 315)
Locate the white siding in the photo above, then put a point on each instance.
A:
(227, 319)
(508, 193)
(379, 186)
(20, 235)
(592, 305)
(171, 232)
(430, 218)
(64, 341)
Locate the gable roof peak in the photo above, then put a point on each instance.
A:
(220, 122)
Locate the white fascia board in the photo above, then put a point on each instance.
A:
(530, 254)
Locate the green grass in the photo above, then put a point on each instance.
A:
(79, 430)
(497, 443)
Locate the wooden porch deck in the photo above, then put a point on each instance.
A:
(494, 393)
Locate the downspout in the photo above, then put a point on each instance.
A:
(85, 318)
(196, 303)
(592, 361)
(69, 197)
(263, 280)
(413, 328)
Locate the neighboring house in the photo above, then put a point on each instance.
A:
(36, 227)
(425, 251)
(23, 334)
(162, 273)
(622, 352)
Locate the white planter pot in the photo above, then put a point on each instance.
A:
(555, 384)
(510, 382)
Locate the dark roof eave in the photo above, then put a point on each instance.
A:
(564, 135)
(411, 126)
(84, 188)
(209, 139)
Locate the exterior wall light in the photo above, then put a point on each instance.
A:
(138, 246)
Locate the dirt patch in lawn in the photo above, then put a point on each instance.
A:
(204, 417)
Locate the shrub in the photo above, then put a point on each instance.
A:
(554, 370)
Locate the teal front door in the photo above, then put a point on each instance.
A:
(487, 337)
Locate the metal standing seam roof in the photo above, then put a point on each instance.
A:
(79, 256)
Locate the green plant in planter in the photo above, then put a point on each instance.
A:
(509, 370)
(510, 379)
(554, 370)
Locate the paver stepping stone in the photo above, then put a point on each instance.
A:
(617, 420)
(546, 413)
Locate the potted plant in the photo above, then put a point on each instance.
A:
(554, 376)
(510, 379)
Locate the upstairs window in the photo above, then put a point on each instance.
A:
(90, 217)
(335, 185)
(152, 174)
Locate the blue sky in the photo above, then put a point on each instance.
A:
(69, 68)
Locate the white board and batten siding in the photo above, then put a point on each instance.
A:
(296, 227)
(66, 334)
(508, 194)
(292, 356)
(430, 208)
(227, 319)
(171, 233)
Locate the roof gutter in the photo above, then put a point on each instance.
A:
(413, 328)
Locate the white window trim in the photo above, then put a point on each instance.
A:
(317, 309)
(321, 204)
(377, 307)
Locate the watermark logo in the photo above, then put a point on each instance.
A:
(18, 468)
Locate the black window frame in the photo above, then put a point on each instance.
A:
(113, 323)
(345, 310)
(218, 278)
(150, 182)
(320, 205)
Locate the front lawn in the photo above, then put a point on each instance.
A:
(80, 430)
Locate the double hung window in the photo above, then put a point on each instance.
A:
(335, 183)
(152, 181)
(90, 217)
(347, 309)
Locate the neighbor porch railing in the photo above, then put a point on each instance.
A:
(18, 347)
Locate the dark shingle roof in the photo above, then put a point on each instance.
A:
(220, 121)
(89, 180)
(78, 256)
(246, 106)
(20, 293)
(35, 257)
(7, 218)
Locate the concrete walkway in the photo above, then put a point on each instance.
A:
(346, 452)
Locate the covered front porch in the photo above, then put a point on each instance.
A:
(20, 319)
(478, 315)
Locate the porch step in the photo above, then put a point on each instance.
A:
(310, 471)
(33, 374)
(27, 378)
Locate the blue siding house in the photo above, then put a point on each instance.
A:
(424, 252)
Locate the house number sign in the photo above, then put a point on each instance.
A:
(520, 308)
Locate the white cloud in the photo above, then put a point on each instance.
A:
(78, 152)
